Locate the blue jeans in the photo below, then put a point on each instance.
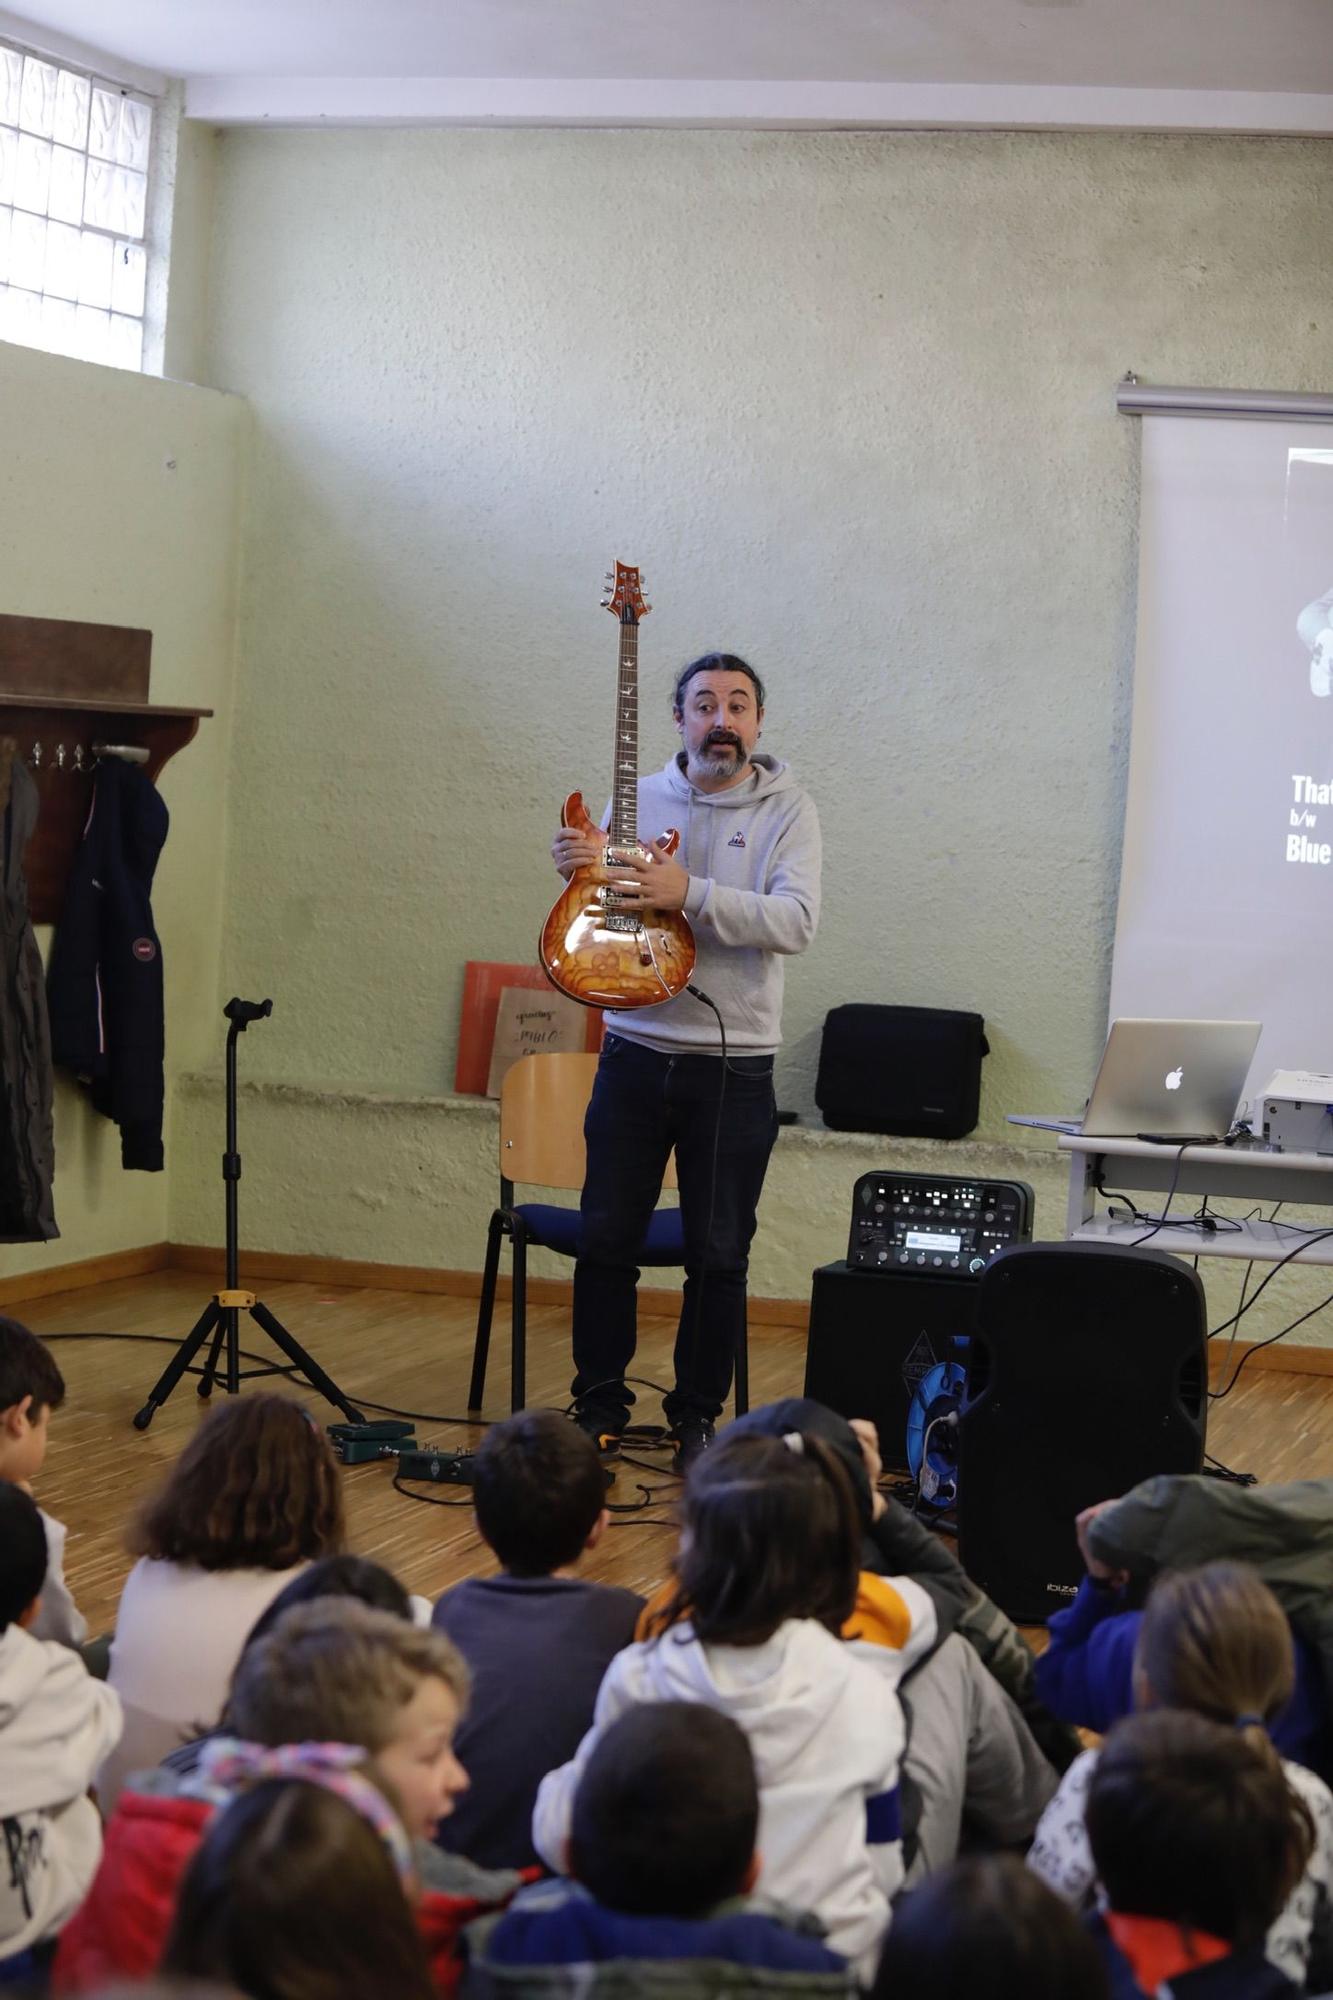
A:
(644, 1103)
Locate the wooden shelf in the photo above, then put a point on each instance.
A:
(67, 704)
(73, 685)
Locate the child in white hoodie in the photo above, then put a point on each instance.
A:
(56, 1725)
(765, 1578)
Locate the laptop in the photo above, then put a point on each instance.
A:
(1164, 1079)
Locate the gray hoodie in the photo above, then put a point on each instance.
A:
(826, 1730)
(753, 855)
(56, 1725)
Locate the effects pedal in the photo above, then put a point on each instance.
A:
(441, 1468)
(357, 1444)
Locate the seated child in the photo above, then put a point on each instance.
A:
(1213, 1641)
(537, 1637)
(1199, 1841)
(333, 1671)
(31, 1389)
(980, 1751)
(662, 1857)
(255, 1495)
(300, 1891)
(333, 1576)
(56, 1725)
(766, 1575)
(1178, 1522)
(986, 1929)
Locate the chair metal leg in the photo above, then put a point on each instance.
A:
(485, 1312)
(518, 1323)
(743, 1371)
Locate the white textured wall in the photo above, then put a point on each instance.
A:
(118, 504)
(848, 399)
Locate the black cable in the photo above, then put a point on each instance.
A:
(697, 1301)
(632, 1506)
(425, 1499)
(170, 1340)
(1213, 1394)
(292, 1373)
(1163, 1221)
(1259, 1345)
(1203, 1217)
(419, 1416)
(1259, 1290)
(1221, 1471)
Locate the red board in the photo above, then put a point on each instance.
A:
(483, 983)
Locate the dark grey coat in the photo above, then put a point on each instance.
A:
(27, 1143)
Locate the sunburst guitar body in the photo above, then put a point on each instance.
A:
(596, 949)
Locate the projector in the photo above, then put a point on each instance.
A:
(1298, 1111)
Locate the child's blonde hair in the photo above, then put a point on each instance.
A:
(335, 1670)
(1215, 1640)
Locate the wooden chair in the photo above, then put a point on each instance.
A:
(542, 1105)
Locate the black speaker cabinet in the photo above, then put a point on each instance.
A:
(912, 1070)
(873, 1337)
(1088, 1372)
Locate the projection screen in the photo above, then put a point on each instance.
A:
(1226, 884)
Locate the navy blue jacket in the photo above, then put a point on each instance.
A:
(1085, 1676)
(555, 1938)
(104, 988)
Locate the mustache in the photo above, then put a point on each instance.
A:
(717, 738)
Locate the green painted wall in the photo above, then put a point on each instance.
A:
(848, 399)
(119, 500)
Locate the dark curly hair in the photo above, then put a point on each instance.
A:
(257, 1487)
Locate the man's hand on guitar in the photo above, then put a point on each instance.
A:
(659, 883)
(572, 849)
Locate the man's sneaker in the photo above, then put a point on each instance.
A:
(692, 1437)
(605, 1427)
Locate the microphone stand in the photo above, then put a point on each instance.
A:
(221, 1317)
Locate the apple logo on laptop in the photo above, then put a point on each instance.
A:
(1173, 1078)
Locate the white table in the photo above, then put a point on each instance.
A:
(1243, 1172)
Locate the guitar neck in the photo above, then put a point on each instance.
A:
(624, 829)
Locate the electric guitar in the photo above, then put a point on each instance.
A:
(594, 947)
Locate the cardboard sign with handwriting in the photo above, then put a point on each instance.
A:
(534, 1024)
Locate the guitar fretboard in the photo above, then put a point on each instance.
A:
(624, 829)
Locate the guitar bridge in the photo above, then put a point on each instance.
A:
(622, 921)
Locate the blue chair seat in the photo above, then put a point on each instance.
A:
(556, 1228)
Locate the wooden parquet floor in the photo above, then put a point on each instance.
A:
(414, 1350)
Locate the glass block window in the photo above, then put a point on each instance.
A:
(73, 195)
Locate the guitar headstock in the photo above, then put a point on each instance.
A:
(624, 594)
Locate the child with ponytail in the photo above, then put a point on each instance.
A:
(765, 1577)
(1214, 1642)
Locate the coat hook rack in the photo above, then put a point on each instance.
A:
(70, 694)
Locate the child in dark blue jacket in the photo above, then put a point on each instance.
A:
(662, 1857)
(1086, 1674)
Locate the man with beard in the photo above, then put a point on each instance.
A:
(747, 876)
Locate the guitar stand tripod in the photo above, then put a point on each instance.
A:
(221, 1317)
